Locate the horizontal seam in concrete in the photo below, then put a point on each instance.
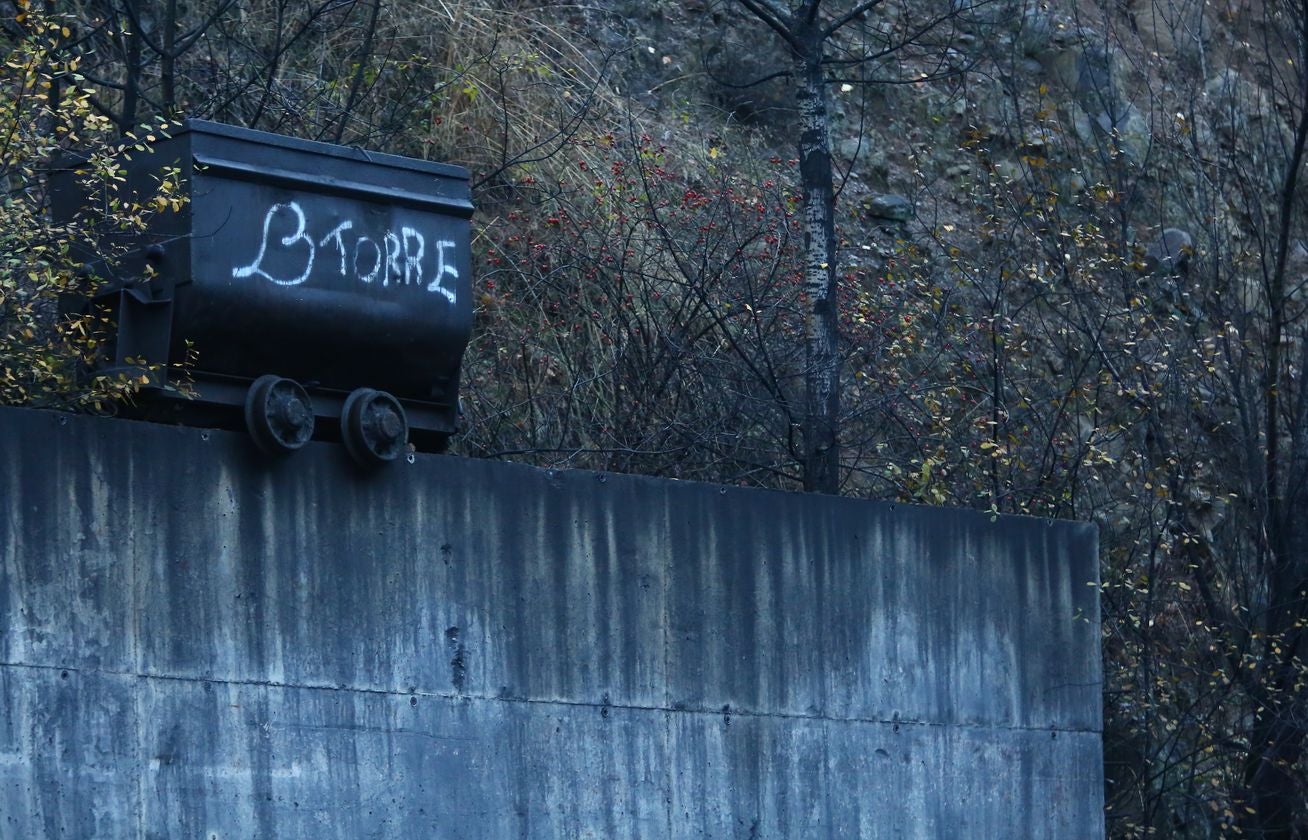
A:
(730, 711)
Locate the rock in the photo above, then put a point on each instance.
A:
(1238, 112)
(1296, 266)
(851, 147)
(1133, 135)
(1184, 32)
(992, 110)
(1096, 86)
(1169, 254)
(1038, 139)
(896, 208)
(1124, 129)
(1226, 85)
(1063, 69)
(1035, 31)
(868, 157)
(1008, 171)
(1065, 35)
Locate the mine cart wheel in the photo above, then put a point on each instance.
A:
(374, 427)
(278, 415)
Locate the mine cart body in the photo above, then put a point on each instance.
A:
(330, 266)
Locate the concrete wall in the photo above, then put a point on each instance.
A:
(195, 642)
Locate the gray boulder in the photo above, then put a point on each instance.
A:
(1096, 79)
(1123, 129)
(1169, 254)
(895, 208)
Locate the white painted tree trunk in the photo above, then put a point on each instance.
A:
(822, 357)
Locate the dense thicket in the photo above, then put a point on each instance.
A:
(1067, 278)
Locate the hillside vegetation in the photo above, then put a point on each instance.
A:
(1066, 278)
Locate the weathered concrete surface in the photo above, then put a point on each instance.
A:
(197, 643)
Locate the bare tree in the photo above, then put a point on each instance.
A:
(812, 32)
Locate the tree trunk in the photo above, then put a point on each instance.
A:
(822, 359)
(1276, 745)
(1277, 742)
(168, 59)
(132, 82)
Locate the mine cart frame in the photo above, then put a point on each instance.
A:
(325, 290)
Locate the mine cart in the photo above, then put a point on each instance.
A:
(320, 287)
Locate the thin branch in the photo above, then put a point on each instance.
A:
(774, 20)
(850, 16)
